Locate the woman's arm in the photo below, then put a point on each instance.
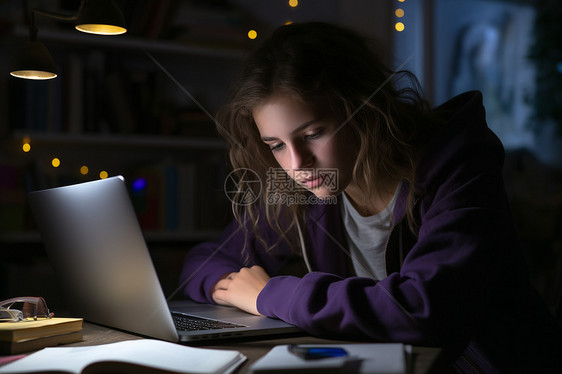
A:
(207, 265)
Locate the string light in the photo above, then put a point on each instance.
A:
(55, 162)
(252, 34)
(103, 174)
(399, 13)
(84, 170)
(293, 3)
(26, 144)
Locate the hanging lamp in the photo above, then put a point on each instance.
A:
(33, 60)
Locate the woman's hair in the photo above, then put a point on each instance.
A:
(337, 73)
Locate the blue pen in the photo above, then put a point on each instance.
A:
(313, 353)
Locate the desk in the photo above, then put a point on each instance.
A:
(423, 360)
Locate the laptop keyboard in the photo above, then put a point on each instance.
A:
(186, 322)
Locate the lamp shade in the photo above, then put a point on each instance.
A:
(33, 61)
(102, 17)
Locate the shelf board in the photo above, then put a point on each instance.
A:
(121, 140)
(131, 43)
(33, 237)
(178, 236)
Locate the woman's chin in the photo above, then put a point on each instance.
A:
(324, 193)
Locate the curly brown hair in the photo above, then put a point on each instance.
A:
(338, 73)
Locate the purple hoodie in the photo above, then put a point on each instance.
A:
(460, 284)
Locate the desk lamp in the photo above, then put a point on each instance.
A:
(101, 17)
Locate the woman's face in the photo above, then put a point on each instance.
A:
(311, 150)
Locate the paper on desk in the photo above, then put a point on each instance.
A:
(144, 353)
(380, 358)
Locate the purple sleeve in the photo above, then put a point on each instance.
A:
(206, 263)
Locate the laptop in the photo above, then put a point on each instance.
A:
(97, 249)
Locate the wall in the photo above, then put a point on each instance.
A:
(372, 17)
(459, 45)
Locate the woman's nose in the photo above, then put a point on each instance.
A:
(301, 157)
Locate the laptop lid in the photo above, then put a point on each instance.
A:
(97, 249)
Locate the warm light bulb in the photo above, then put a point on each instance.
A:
(252, 34)
(26, 147)
(84, 170)
(103, 174)
(399, 26)
(101, 29)
(33, 74)
(399, 13)
(55, 162)
(293, 3)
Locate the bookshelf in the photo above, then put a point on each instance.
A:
(119, 105)
(180, 197)
(125, 105)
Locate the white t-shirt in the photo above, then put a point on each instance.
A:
(367, 237)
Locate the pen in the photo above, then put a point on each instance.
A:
(312, 353)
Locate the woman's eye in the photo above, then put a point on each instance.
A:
(276, 147)
(314, 135)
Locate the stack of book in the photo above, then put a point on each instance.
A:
(26, 336)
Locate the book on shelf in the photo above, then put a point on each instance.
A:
(180, 197)
(212, 24)
(12, 199)
(25, 336)
(132, 356)
(74, 94)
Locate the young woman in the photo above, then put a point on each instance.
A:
(363, 214)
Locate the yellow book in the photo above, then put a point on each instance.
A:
(25, 330)
(22, 346)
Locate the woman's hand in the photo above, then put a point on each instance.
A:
(241, 289)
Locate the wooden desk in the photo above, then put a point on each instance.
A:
(422, 361)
